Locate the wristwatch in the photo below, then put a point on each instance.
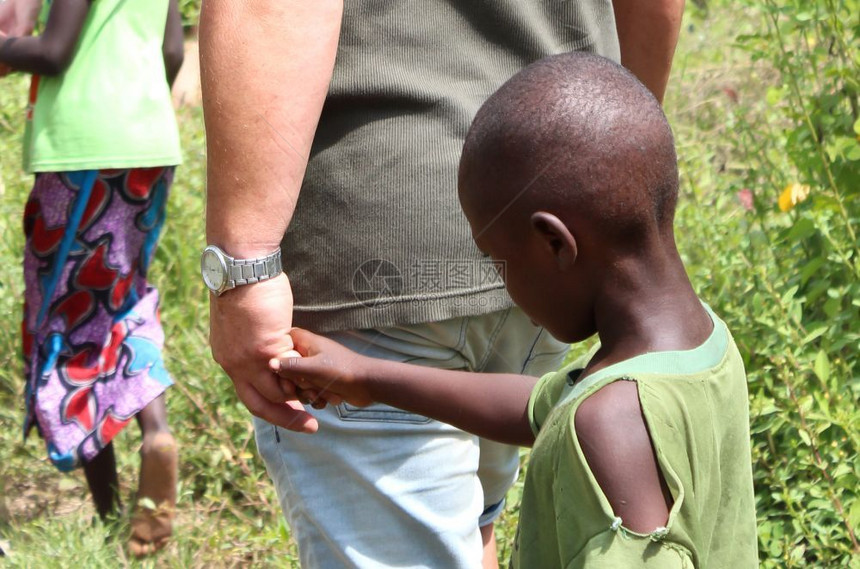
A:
(221, 272)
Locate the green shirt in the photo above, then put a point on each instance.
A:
(695, 404)
(111, 108)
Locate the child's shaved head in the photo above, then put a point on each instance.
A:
(578, 135)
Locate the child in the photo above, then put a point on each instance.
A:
(103, 143)
(641, 450)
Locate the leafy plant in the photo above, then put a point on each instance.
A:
(782, 265)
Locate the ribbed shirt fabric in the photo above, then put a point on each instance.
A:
(378, 237)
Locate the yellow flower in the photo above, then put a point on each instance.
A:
(793, 194)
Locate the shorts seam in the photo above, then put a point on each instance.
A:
(461, 342)
(492, 340)
(531, 355)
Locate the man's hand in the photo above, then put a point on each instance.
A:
(248, 327)
(326, 370)
(18, 17)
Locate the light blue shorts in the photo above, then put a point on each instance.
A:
(378, 487)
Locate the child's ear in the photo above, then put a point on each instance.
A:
(557, 237)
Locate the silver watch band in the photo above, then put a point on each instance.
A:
(250, 271)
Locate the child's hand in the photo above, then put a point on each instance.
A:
(308, 396)
(326, 370)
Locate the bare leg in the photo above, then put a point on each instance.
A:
(103, 481)
(152, 527)
(491, 556)
(153, 418)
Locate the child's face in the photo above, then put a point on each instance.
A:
(541, 284)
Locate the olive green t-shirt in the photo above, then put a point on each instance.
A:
(378, 237)
(112, 107)
(696, 408)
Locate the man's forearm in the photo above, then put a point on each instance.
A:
(266, 67)
(493, 406)
(648, 32)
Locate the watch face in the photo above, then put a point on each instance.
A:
(214, 270)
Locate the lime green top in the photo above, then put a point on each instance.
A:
(696, 408)
(111, 108)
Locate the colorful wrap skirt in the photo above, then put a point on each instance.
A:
(92, 338)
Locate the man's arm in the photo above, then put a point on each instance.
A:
(493, 406)
(51, 52)
(265, 68)
(648, 32)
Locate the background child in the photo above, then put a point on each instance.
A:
(641, 450)
(103, 142)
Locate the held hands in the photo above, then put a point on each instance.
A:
(248, 327)
(326, 372)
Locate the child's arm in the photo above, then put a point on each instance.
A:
(493, 406)
(173, 48)
(51, 52)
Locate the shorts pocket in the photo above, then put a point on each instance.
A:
(541, 364)
(379, 413)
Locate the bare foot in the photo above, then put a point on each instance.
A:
(152, 523)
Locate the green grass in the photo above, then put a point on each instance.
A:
(228, 513)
